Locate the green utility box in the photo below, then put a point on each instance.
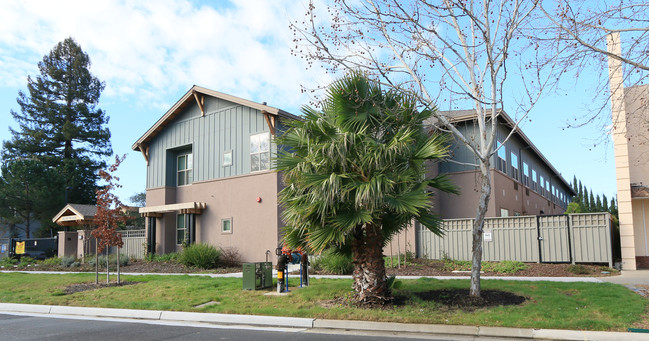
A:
(257, 275)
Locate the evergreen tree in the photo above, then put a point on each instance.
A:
(613, 208)
(591, 206)
(585, 204)
(24, 195)
(60, 123)
(605, 203)
(580, 195)
(598, 204)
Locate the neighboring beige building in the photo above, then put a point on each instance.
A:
(630, 131)
(523, 181)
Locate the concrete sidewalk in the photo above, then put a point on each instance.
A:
(315, 325)
(240, 274)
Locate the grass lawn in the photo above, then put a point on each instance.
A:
(581, 306)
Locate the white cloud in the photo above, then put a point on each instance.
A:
(156, 49)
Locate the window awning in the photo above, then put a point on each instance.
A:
(185, 207)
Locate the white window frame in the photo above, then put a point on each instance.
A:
(526, 174)
(181, 217)
(534, 181)
(227, 158)
(501, 157)
(514, 162)
(259, 151)
(223, 221)
(186, 174)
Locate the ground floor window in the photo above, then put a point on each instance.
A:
(180, 229)
(226, 225)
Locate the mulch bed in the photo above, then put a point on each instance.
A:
(426, 267)
(459, 299)
(71, 289)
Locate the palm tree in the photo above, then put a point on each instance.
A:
(355, 175)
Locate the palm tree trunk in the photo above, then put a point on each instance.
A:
(370, 281)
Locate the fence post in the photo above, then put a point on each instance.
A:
(539, 238)
(571, 240)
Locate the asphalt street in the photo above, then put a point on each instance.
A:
(21, 327)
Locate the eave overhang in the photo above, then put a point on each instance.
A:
(195, 96)
(457, 116)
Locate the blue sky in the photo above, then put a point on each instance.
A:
(149, 54)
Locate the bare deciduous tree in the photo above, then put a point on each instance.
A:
(451, 54)
(573, 38)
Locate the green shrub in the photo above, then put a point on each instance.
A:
(202, 256)
(579, 269)
(123, 261)
(69, 261)
(230, 257)
(8, 262)
(53, 261)
(24, 261)
(506, 266)
(333, 263)
(456, 265)
(167, 257)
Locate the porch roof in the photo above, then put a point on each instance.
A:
(75, 215)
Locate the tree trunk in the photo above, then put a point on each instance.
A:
(476, 260)
(370, 281)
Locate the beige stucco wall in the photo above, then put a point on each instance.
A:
(67, 241)
(637, 135)
(641, 226)
(464, 205)
(254, 224)
(503, 196)
(519, 201)
(621, 149)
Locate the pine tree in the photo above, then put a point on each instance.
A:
(613, 208)
(605, 206)
(580, 195)
(60, 123)
(598, 204)
(585, 204)
(24, 196)
(591, 207)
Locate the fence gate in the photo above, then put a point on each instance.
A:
(554, 239)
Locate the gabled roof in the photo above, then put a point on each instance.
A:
(75, 214)
(193, 96)
(468, 115)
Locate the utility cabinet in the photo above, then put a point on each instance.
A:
(257, 275)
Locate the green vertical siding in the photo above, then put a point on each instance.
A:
(225, 126)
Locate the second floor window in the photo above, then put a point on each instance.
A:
(514, 161)
(526, 174)
(184, 167)
(259, 152)
(501, 163)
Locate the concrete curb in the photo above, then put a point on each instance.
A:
(318, 324)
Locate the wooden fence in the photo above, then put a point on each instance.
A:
(574, 238)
